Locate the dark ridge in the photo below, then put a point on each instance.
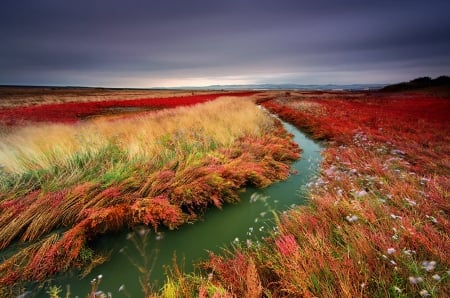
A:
(422, 83)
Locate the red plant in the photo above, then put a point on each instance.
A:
(386, 167)
(169, 196)
(154, 211)
(382, 119)
(287, 245)
(231, 272)
(72, 112)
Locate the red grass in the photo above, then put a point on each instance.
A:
(167, 197)
(232, 272)
(386, 167)
(154, 211)
(386, 119)
(74, 111)
(287, 245)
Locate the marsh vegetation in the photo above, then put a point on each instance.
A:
(376, 222)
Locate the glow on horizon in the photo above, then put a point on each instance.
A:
(169, 44)
(192, 82)
(306, 78)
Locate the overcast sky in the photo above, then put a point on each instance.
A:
(149, 43)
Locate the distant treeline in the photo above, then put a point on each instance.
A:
(419, 83)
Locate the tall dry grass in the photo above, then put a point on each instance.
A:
(23, 96)
(377, 224)
(74, 182)
(145, 138)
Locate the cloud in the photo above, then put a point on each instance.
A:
(149, 42)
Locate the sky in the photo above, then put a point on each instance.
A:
(168, 43)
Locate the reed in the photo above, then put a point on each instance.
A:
(162, 168)
(23, 96)
(48, 145)
(377, 221)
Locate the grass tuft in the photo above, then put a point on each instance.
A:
(377, 221)
(63, 185)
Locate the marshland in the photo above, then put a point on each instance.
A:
(370, 220)
(222, 149)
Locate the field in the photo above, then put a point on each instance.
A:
(377, 222)
(54, 108)
(63, 183)
(26, 96)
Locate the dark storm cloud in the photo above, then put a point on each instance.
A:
(146, 43)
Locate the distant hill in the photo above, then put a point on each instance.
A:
(423, 83)
(220, 87)
(285, 87)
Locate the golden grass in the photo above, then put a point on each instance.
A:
(45, 145)
(377, 222)
(23, 96)
(102, 175)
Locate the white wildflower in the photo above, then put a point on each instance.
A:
(393, 216)
(390, 250)
(436, 277)
(142, 231)
(429, 265)
(159, 236)
(397, 152)
(415, 279)
(424, 293)
(351, 218)
(360, 194)
(411, 203)
(409, 252)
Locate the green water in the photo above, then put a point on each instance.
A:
(247, 221)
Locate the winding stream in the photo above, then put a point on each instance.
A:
(246, 222)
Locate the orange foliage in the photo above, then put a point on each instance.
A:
(169, 196)
(232, 273)
(154, 211)
(379, 207)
